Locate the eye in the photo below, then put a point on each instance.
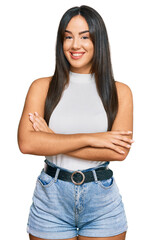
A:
(85, 37)
(68, 37)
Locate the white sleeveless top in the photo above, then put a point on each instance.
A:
(80, 110)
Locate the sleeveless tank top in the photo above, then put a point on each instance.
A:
(80, 110)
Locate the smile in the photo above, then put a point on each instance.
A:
(76, 55)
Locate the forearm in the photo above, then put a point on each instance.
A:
(42, 143)
(98, 154)
(101, 146)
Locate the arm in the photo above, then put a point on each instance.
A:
(42, 143)
(102, 153)
(123, 120)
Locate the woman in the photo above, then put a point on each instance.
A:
(80, 119)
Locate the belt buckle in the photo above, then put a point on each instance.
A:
(82, 176)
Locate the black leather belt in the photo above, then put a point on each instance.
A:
(79, 177)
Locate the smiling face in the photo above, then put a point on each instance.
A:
(77, 45)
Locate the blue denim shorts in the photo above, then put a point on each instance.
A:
(61, 209)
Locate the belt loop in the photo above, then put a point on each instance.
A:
(95, 176)
(56, 174)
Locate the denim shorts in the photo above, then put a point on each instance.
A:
(61, 209)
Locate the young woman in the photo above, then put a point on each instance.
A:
(80, 119)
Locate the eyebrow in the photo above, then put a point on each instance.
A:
(79, 32)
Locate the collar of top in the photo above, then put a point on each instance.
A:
(81, 77)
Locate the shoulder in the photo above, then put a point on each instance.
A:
(36, 96)
(40, 85)
(123, 91)
(38, 89)
(41, 82)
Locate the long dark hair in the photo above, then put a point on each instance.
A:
(101, 64)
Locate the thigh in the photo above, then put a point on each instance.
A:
(35, 238)
(117, 237)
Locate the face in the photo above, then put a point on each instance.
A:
(77, 45)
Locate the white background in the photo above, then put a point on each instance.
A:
(27, 52)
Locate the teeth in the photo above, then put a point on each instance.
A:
(77, 54)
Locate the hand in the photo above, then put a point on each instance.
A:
(39, 124)
(112, 140)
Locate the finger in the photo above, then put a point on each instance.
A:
(41, 127)
(115, 148)
(118, 150)
(122, 132)
(35, 127)
(129, 140)
(42, 119)
(125, 139)
(50, 130)
(36, 114)
(121, 143)
(31, 118)
(39, 119)
(37, 123)
(42, 124)
(30, 114)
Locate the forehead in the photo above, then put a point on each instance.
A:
(77, 23)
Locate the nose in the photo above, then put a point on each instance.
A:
(76, 43)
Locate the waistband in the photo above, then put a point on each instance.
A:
(78, 177)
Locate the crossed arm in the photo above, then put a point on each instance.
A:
(123, 121)
(36, 124)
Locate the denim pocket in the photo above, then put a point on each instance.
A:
(44, 179)
(107, 183)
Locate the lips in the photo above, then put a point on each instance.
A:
(76, 55)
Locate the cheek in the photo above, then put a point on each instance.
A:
(89, 46)
(92, 48)
(66, 46)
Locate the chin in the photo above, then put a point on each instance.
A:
(77, 67)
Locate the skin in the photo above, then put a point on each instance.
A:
(117, 237)
(75, 41)
(35, 137)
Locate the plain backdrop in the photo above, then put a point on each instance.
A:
(27, 52)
